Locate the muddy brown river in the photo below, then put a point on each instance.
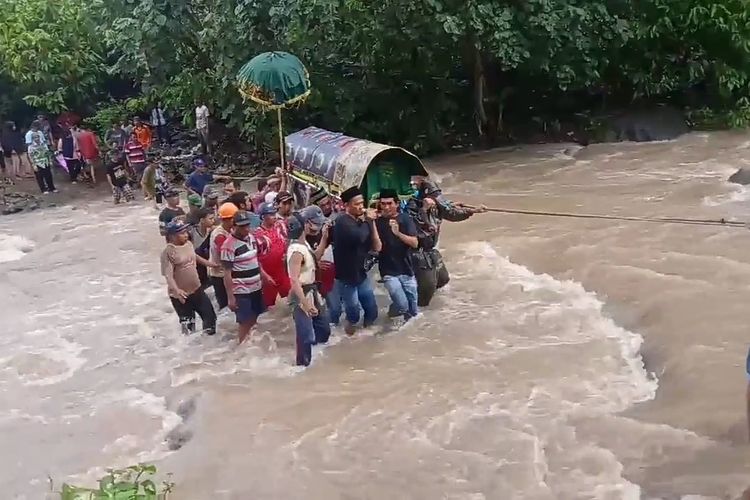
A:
(567, 358)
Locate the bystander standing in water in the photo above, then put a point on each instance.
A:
(178, 266)
(117, 176)
(311, 320)
(354, 236)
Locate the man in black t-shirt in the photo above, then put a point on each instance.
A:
(117, 176)
(354, 236)
(398, 233)
(172, 210)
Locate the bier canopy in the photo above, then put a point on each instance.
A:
(321, 158)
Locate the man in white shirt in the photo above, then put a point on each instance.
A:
(201, 125)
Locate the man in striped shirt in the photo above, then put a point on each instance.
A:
(243, 276)
(136, 157)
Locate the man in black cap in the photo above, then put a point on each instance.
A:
(354, 237)
(321, 198)
(284, 204)
(172, 210)
(399, 236)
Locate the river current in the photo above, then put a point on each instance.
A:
(566, 359)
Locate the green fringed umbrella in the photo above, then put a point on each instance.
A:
(274, 80)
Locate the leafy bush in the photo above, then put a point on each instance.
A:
(132, 483)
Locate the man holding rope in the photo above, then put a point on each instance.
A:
(428, 208)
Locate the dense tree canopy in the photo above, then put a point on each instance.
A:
(423, 73)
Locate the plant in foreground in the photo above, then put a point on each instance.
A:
(132, 483)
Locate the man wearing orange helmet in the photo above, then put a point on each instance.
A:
(216, 240)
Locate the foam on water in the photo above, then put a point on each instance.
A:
(14, 247)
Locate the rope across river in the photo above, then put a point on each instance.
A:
(662, 220)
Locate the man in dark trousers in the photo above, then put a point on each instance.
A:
(398, 233)
(354, 236)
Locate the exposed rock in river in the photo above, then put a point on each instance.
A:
(741, 176)
(656, 124)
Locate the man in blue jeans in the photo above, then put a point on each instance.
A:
(398, 234)
(354, 236)
(308, 307)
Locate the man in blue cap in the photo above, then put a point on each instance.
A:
(200, 178)
(178, 266)
(311, 320)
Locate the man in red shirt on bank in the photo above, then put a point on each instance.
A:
(272, 243)
(88, 145)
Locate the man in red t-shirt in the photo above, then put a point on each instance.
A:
(272, 243)
(88, 145)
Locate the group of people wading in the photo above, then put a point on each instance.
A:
(251, 249)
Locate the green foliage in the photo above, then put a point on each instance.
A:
(116, 111)
(132, 483)
(49, 49)
(426, 74)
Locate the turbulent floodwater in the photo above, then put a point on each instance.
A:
(567, 359)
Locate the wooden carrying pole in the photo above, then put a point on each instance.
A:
(281, 139)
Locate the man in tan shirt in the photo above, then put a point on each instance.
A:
(178, 266)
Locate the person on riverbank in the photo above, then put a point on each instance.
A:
(178, 266)
(117, 176)
(14, 150)
(398, 234)
(88, 145)
(160, 124)
(45, 127)
(171, 211)
(311, 321)
(142, 133)
(67, 146)
(41, 162)
(243, 275)
(201, 126)
(272, 240)
(136, 158)
(116, 137)
(354, 236)
(217, 238)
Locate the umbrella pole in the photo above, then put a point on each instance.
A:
(281, 139)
